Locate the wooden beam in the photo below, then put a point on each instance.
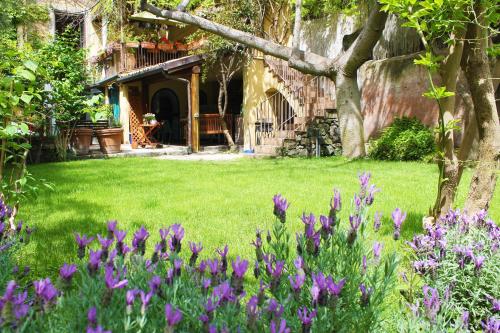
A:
(195, 108)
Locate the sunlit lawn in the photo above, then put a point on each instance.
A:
(217, 202)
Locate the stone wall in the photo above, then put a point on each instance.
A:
(323, 130)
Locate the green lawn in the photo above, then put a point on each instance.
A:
(217, 202)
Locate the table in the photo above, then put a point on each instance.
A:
(149, 131)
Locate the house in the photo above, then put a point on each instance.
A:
(273, 108)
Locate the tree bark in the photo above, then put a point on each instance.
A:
(449, 71)
(342, 70)
(348, 99)
(222, 106)
(478, 74)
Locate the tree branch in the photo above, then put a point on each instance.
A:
(296, 26)
(361, 50)
(311, 63)
(183, 5)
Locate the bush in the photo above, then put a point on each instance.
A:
(334, 282)
(459, 263)
(406, 139)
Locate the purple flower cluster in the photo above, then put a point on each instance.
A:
(280, 207)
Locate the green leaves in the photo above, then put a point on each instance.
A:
(438, 93)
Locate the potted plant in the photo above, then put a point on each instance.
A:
(149, 118)
(165, 45)
(110, 139)
(180, 46)
(82, 136)
(148, 45)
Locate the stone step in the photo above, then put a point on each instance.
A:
(268, 150)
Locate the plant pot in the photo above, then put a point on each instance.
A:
(148, 45)
(110, 139)
(165, 46)
(81, 140)
(133, 45)
(181, 47)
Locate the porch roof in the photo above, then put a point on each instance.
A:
(169, 67)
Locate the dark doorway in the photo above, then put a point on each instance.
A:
(165, 106)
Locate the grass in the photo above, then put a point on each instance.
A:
(217, 202)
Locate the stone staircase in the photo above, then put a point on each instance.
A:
(303, 104)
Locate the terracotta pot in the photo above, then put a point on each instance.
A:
(148, 45)
(165, 46)
(181, 47)
(110, 139)
(81, 140)
(133, 45)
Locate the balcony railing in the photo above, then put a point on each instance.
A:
(125, 57)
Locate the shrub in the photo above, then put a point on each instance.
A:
(406, 139)
(334, 282)
(459, 263)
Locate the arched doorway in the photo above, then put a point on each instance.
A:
(165, 106)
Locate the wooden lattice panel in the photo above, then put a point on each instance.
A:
(136, 130)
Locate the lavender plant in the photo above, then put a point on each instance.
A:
(329, 279)
(459, 264)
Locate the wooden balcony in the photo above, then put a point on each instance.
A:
(127, 57)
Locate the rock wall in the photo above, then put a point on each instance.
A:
(323, 131)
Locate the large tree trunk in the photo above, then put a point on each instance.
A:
(478, 74)
(345, 66)
(450, 70)
(348, 99)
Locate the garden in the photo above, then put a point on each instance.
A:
(400, 234)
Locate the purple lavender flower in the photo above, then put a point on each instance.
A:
(112, 280)
(398, 217)
(145, 299)
(364, 265)
(111, 225)
(155, 284)
(177, 267)
(275, 309)
(431, 302)
(92, 316)
(364, 180)
(377, 249)
(223, 256)
(491, 326)
(172, 315)
(239, 267)
(66, 272)
(357, 202)
(280, 207)
(256, 269)
(335, 205)
(105, 244)
(365, 294)
(306, 318)
(178, 235)
(355, 222)
(296, 282)
(130, 296)
(120, 236)
(252, 311)
(9, 291)
(195, 249)
(465, 319)
(326, 226)
(371, 195)
(45, 290)
(213, 266)
(377, 221)
(139, 241)
(319, 289)
(19, 306)
(258, 245)
(309, 222)
(334, 288)
(274, 328)
(94, 261)
(82, 242)
(496, 305)
(478, 262)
